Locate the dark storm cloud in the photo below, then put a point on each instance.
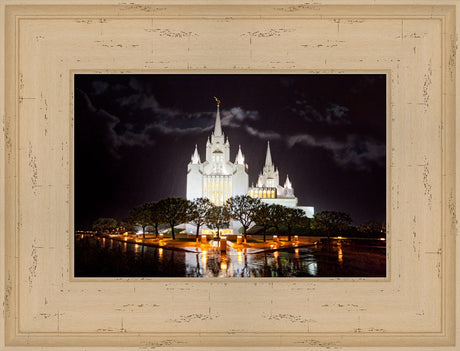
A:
(104, 125)
(353, 152)
(236, 117)
(356, 152)
(168, 130)
(161, 119)
(232, 117)
(201, 122)
(264, 135)
(143, 101)
(170, 120)
(337, 113)
(100, 87)
(333, 114)
(167, 121)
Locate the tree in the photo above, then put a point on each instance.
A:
(156, 215)
(141, 216)
(262, 217)
(174, 211)
(243, 209)
(124, 226)
(372, 228)
(331, 222)
(217, 217)
(304, 224)
(293, 216)
(277, 214)
(196, 212)
(105, 224)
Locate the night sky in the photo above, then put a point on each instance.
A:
(135, 134)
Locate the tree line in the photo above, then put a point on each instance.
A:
(245, 210)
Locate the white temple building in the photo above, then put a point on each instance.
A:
(269, 191)
(218, 179)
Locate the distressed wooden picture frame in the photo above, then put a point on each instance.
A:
(413, 42)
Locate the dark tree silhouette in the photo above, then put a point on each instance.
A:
(331, 222)
(262, 217)
(243, 209)
(217, 217)
(293, 217)
(174, 211)
(104, 225)
(141, 216)
(125, 225)
(277, 214)
(196, 212)
(372, 228)
(156, 216)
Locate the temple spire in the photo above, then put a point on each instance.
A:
(268, 158)
(217, 126)
(196, 156)
(239, 157)
(287, 183)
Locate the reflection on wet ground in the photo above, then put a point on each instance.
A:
(104, 257)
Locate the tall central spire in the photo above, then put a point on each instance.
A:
(268, 158)
(217, 126)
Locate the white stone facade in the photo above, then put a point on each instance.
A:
(269, 191)
(217, 178)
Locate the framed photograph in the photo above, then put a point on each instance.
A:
(171, 181)
(76, 99)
